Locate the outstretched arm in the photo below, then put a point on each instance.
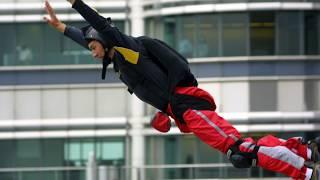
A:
(97, 21)
(104, 26)
(72, 32)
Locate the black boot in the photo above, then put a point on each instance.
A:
(316, 172)
(314, 146)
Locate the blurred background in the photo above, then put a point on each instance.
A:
(260, 59)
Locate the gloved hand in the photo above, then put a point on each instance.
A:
(71, 1)
(161, 122)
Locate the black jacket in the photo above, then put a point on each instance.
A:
(149, 67)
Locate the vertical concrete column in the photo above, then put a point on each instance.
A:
(137, 139)
(137, 107)
(91, 171)
(136, 17)
(108, 173)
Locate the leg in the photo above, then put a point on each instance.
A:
(211, 129)
(273, 154)
(314, 146)
(293, 144)
(219, 134)
(281, 159)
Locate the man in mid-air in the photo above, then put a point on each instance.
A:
(161, 77)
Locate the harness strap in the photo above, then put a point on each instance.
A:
(106, 61)
(234, 148)
(255, 158)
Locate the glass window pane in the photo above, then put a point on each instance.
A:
(53, 152)
(311, 33)
(234, 34)
(171, 145)
(112, 150)
(8, 153)
(262, 33)
(29, 153)
(40, 44)
(30, 43)
(207, 154)
(7, 45)
(74, 153)
(207, 44)
(170, 31)
(154, 145)
(289, 33)
(187, 34)
(87, 149)
(53, 51)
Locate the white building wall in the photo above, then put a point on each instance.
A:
(55, 103)
(291, 96)
(27, 104)
(234, 97)
(7, 105)
(215, 90)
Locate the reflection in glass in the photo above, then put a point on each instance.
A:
(207, 44)
(262, 33)
(234, 34)
(289, 30)
(107, 152)
(30, 43)
(26, 44)
(187, 34)
(311, 33)
(170, 30)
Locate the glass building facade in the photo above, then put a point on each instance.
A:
(256, 33)
(27, 44)
(260, 59)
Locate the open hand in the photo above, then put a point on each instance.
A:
(52, 20)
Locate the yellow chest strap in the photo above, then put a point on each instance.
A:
(129, 55)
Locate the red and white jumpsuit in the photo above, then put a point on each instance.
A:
(283, 156)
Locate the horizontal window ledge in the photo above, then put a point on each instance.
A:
(22, 6)
(41, 169)
(63, 17)
(50, 67)
(62, 123)
(256, 78)
(166, 2)
(248, 128)
(62, 134)
(190, 60)
(281, 117)
(255, 58)
(230, 7)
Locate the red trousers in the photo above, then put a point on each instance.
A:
(283, 156)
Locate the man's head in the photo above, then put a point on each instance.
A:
(96, 43)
